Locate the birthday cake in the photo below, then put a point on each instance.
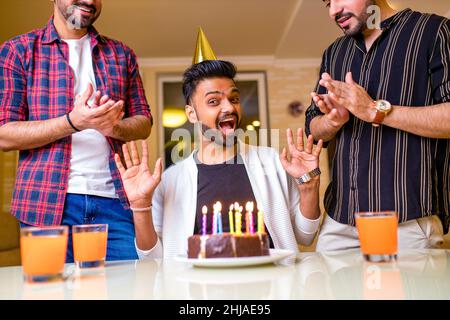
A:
(227, 245)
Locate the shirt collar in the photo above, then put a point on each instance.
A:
(389, 22)
(384, 25)
(51, 35)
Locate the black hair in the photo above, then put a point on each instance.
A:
(205, 70)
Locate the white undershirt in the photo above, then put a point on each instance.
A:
(89, 162)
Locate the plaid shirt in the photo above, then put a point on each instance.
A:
(37, 83)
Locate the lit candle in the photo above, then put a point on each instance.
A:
(204, 212)
(230, 217)
(214, 220)
(238, 212)
(249, 217)
(219, 217)
(261, 228)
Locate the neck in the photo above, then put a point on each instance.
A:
(212, 153)
(370, 35)
(63, 29)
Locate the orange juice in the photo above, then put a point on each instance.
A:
(377, 233)
(43, 251)
(89, 246)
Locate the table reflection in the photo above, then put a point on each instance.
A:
(264, 282)
(418, 274)
(346, 275)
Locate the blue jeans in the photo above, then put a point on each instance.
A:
(87, 209)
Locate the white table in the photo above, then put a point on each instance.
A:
(421, 274)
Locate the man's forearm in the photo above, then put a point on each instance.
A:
(25, 135)
(430, 121)
(309, 199)
(321, 129)
(146, 237)
(133, 128)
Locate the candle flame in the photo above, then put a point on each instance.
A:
(219, 206)
(241, 209)
(204, 209)
(236, 206)
(249, 206)
(231, 208)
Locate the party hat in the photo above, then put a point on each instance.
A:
(203, 49)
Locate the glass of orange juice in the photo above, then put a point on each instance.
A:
(43, 252)
(89, 245)
(377, 233)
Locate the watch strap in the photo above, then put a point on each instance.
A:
(308, 176)
(379, 118)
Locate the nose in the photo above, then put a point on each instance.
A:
(228, 106)
(335, 9)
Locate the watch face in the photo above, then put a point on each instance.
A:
(383, 105)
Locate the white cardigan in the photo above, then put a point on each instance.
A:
(175, 201)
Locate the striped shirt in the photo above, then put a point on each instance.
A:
(36, 83)
(382, 168)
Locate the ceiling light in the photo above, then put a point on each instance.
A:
(173, 118)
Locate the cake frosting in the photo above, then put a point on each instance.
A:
(226, 245)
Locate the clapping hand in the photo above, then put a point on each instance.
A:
(303, 159)
(350, 96)
(139, 183)
(103, 115)
(336, 113)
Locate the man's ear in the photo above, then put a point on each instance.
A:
(190, 113)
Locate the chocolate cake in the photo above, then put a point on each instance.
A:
(228, 245)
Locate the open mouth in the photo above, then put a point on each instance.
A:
(344, 21)
(228, 124)
(85, 9)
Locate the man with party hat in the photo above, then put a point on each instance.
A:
(224, 169)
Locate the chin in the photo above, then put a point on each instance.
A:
(227, 141)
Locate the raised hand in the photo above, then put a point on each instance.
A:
(303, 159)
(138, 182)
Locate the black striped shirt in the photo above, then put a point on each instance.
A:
(384, 168)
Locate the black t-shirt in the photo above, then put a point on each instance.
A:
(228, 183)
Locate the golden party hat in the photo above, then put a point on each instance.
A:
(203, 49)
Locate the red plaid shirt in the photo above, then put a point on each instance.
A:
(37, 83)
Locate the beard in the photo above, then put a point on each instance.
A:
(76, 19)
(361, 19)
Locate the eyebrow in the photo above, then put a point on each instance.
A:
(233, 90)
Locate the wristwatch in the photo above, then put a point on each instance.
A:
(382, 107)
(308, 176)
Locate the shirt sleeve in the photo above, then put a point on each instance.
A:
(136, 101)
(313, 110)
(305, 229)
(13, 100)
(154, 253)
(440, 65)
